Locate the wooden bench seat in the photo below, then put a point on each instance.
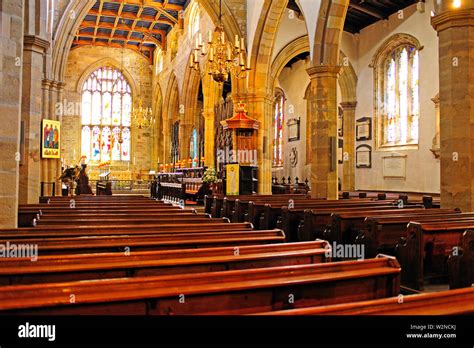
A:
(423, 253)
(263, 214)
(159, 241)
(229, 292)
(318, 223)
(381, 234)
(85, 231)
(117, 265)
(453, 302)
(240, 210)
(129, 220)
(217, 201)
(461, 262)
(344, 227)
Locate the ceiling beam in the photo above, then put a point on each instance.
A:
(371, 13)
(123, 27)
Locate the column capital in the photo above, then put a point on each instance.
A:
(350, 105)
(324, 70)
(35, 43)
(455, 18)
(259, 97)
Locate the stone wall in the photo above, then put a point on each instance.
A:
(11, 55)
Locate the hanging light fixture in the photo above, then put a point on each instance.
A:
(224, 58)
(142, 117)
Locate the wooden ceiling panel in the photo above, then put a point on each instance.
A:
(140, 25)
(362, 13)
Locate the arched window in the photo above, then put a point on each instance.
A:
(106, 116)
(278, 121)
(194, 19)
(193, 148)
(158, 61)
(398, 102)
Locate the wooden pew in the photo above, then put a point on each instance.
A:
(128, 220)
(28, 218)
(218, 202)
(316, 222)
(228, 292)
(48, 269)
(381, 234)
(425, 250)
(344, 227)
(104, 230)
(264, 214)
(290, 218)
(47, 199)
(461, 262)
(161, 241)
(240, 211)
(453, 302)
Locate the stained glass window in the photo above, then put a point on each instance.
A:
(106, 116)
(278, 122)
(400, 97)
(193, 148)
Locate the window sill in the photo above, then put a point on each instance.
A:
(404, 147)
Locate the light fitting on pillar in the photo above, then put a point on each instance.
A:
(457, 3)
(224, 58)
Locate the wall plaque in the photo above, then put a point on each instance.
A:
(364, 128)
(394, 166)
(364, 156)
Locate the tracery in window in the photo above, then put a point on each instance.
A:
(398, 102)
(278, 122)
(194, 19)
(106, 116)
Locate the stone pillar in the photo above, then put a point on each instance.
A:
(323, 116)
(348, 167)
(455, 29)
(185, 137)
(32, 98)
(209, 138)
(260, 107)
(11, 62)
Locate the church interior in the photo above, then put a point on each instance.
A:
(233, 157)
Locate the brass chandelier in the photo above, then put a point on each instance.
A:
(223, 57)
(142, 117)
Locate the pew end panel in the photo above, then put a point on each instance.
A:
(409, 252)
(461, 262)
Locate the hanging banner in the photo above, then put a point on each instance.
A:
(50, 140)
(232, 179)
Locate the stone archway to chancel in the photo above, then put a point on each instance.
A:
(171, 112)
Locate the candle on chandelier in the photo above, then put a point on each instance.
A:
(200, 40)
(237, 41)
(210, 36)
(242, 44)
(222, 37)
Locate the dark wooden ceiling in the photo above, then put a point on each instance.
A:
(140, 25)
(362, 13)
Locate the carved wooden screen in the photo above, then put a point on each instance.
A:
(223, 140)
(175, 142)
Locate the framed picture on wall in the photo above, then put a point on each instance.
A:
(364, 156)
(340, 151)
(294, 129)
(50, 139)
(364, 128)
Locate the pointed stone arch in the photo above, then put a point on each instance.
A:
(112, 63)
